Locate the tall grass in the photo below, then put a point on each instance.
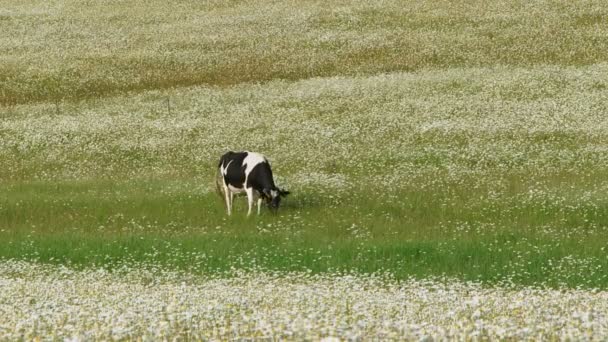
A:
(69, 50)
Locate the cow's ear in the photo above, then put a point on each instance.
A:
(283, 192)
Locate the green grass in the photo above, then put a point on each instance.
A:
(106, 224)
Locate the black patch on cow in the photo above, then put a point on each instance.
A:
(235, 174)
(260, 178)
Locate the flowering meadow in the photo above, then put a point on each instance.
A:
(447, 162)
(60, 303)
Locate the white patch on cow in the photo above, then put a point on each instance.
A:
(274, 193)
(236, 190)
(251, 161)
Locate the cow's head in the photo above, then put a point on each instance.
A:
(273, 197)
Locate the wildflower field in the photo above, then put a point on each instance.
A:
(448, 164)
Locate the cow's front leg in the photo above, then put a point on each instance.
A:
(259, 204)
(250, 199)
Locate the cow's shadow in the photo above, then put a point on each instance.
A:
(299, 201)
(294, 202)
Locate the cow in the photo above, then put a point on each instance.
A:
(248, 172)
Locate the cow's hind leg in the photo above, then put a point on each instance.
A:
(250, 199)
(220, 187)
(259, 204)
(228, 197)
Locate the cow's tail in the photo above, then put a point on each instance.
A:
(219, 181)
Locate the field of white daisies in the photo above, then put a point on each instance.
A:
(448, 163)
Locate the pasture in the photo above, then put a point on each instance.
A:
(442, 141)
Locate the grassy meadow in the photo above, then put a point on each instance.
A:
(423, 139)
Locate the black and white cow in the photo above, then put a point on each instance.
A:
(248, 172)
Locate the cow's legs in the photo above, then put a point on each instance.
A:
(250, 199)
(228, 197)
(259, 204)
